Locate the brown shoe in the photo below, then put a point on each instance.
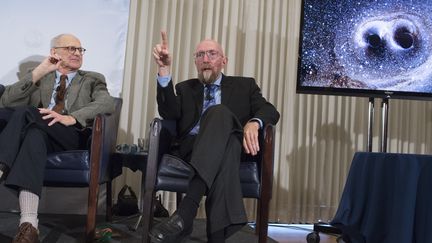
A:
(26, 234)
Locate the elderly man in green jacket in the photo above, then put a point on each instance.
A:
(49, 110)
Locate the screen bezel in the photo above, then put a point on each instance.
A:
(357, 92)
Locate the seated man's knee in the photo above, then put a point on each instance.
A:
(218, 110)
(219, 114)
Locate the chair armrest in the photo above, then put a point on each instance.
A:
(104, 137)
(267, 161)
(161, 134)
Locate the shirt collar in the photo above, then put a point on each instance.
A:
(69, 75)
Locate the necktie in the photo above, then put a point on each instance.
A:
(60, 95)
(209, 100)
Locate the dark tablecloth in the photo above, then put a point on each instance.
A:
(387, 198)
(133, 161)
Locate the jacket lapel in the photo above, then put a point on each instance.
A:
(73, 89)
(198, 94)
(226, 89)
(47, 89)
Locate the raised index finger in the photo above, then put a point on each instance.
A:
(164, 39)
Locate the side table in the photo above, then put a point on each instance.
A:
(134, 161)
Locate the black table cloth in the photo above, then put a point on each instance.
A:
(387, 198)
(133, 161)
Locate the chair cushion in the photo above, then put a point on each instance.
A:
(250, 179)
(173, 175)
(69, 160)
(67, 168)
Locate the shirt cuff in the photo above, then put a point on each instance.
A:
(163, 80)
(258, 120)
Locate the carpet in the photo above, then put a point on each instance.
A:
(69, 228)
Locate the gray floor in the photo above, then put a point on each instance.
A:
(70, 228)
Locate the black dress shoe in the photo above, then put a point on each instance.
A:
(171, 230)
(5, 169)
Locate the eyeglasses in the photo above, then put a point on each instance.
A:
(72, 49)
(211, 54)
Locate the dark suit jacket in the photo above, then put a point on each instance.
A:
(240, 94)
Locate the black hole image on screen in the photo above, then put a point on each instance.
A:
(366, 47)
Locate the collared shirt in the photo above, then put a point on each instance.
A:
(57, 83)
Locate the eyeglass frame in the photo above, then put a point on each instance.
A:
(211, 54)
(72, 49)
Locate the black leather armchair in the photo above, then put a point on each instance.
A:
(169, 173)
(88, 168)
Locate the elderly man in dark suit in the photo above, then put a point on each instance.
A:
(49, 110)
(216, 115)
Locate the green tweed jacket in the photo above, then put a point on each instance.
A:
(86, 96)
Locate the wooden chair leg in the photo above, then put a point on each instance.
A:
(108, 213)
(262, 220)
(147, 214)
(91, 214)
(93, 195)
(266, 185)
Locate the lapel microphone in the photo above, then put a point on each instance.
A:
(208, 95)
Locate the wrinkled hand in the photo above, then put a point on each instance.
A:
(250, 137)
(56, 117)
(45, 67)
(161, 54)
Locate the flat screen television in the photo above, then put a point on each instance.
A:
(372, 48)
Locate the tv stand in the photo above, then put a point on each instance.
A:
(384, 125)
(327, 228)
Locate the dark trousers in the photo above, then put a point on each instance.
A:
(26, 140)
(5, 114)
(215, 156)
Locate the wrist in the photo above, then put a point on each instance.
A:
(36, 75)
(256, 121)
(72, 120)
(164, 71)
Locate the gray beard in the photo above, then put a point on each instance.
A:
(206, 77)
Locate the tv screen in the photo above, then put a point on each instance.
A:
(373, 48)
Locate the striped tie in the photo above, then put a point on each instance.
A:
(60, 95)
(209, 100)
